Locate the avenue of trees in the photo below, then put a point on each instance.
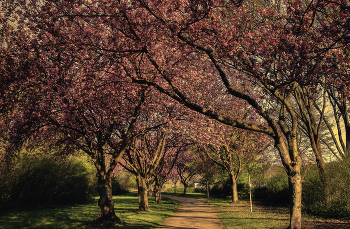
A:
(116, 79)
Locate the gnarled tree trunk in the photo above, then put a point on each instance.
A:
(106, 199)
(143, 193)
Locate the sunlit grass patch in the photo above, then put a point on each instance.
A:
(194, 195)
(239, 216)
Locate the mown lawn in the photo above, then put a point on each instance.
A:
(83, 216)
(189, 194)
(238, 216)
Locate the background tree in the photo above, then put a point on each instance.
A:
(240, 148)
(175, 146)
(205, 168)
(142, 159)
(185, 170)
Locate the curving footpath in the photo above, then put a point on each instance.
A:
(192, 214)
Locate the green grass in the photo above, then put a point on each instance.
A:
(83, 216)
(189, 194)
(239, 216)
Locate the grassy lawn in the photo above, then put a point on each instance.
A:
(82, 216)
(188, 194)
(239, 216)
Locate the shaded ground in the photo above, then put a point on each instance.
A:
(193, 214)
(83, 216)
(308, 222)
(311, 223)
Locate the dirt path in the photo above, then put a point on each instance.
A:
(192, 214)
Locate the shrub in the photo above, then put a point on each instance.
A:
(331, 199)
(4, 193)
(44, 182)
(178, 190)
(223, 187)
(276, 190)
(122, 183)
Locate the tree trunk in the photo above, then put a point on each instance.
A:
(316, 147)
(347, 139)
(157, 191)
(208, 189)
(185, 188)
(106, 199)
(295, 188)
(234, 189)
(149, 188)
(142, 191)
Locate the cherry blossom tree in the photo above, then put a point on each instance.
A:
(185, 169)
(86, 116)
(273, 53)
(142, 159)
(52, 96)
(333, 20)
(175, 147)
(191, 51)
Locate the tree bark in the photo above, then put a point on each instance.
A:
(347, 139)
(157, 191)
(149, 188)
(234, 189)
(207, 189)
(143, 193)
(316, 147)
(185, 188)
(106, 199)
(295, 188)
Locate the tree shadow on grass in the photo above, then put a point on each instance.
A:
(66, 219)
(83, 216)
(125, 225)
(308, 222)
(49, 218)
